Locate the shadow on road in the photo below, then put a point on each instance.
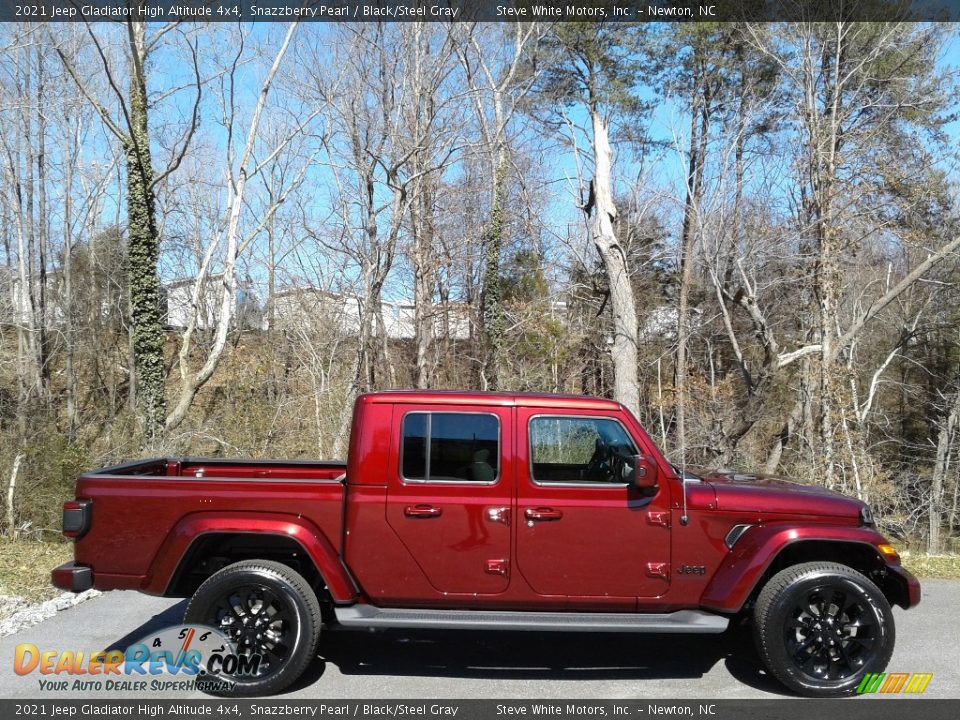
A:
(173, 615)
(537, 655)
(517, 655)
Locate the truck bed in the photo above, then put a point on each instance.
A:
(226, 468)
(160, 506)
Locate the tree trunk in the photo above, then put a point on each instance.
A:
(12, 529)
(270, 314)
(941, 467)
(27, 232)
(952, 517)
(699, 119)
(491, 298)
(11, 290)
(144, 248)
(626, 387)
(68, 339)
(825, 292)
(825, 136)
(424, 284)
(366, 375)
(43, 225)
(192, 383)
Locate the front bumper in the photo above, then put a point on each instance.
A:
(72, 577)
(905, 587)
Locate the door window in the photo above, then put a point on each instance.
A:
(580, 450)
(450, 447)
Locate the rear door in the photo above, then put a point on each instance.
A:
(583, 530)
(450, 495)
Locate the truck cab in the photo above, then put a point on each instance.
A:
(498, 501)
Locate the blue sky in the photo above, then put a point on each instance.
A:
(667, 178)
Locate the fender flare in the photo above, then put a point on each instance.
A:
(193, 526)
(758, 547)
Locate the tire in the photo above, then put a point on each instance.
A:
(821, 626)
(231, 599)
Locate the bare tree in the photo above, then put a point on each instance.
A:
(381, 160)
(433, 119)
(946, 438)
(499, 80)
(595, 67)
(133, 133)
(19, 139)
(239, 174)
(848, 99)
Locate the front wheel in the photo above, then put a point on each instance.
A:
(270, 613)
(821, 626)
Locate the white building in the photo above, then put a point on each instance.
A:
(314, 310)
(178, 297)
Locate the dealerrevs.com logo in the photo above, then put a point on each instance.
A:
(183, 657)
(891, 683)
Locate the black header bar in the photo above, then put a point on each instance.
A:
(615, 11)
(893, 708)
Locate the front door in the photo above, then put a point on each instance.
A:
(583, 530)
(450, 499)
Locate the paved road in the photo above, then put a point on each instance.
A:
(435, 664)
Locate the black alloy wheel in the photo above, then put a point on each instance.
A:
(820, 627)
(258, 621)
(831, 633)
(270, 613)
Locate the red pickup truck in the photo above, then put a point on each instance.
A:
(494, 511)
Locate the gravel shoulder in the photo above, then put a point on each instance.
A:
(18, 614)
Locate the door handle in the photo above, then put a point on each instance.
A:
(542, 513)
(499, 515)
(422, 511)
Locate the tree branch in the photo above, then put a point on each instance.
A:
(101, 110)
(877, 305)
(194, 122)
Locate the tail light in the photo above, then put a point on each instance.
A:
(76, 517)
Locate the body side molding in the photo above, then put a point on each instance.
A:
(683, 621)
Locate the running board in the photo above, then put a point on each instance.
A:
(683, 621)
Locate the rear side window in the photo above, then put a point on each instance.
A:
(450, 447)
(579, 449)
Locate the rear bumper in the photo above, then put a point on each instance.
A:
(908, 586)
(72, 577)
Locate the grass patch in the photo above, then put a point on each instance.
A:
(25, 567)
(932, 566)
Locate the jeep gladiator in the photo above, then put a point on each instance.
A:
(489, 511)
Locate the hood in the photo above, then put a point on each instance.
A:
(739, 492)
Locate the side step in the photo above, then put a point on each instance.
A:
(683, 621)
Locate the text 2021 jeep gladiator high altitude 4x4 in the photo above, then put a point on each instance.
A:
(494, 511)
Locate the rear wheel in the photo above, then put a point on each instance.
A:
(268, 611)
(820, 627)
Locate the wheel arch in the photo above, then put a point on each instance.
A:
(202, 543)
(764, 551)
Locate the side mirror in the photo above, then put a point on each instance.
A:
(646, 473)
